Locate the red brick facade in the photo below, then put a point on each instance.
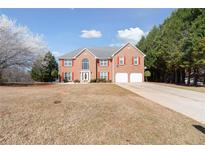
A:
(127, 52)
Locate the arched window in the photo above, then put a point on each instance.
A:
(85, 64)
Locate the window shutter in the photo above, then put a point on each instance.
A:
(118, 60)
(132, 60)
(124, 60)
(62, 62)
(139, 60)
(98, 62)
(72, 75)
(108, 73)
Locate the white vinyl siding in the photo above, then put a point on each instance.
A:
(103, 62)
(67, 62)
(68, 76)
(104, 75)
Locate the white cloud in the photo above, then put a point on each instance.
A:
(90, 34)
(132, 35)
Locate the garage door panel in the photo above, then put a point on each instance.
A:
(135, 77)
(121, 77)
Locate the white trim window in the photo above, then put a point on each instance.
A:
(121, 61)
(104, 62)
(85, 64)
(68, 76)
(135, 60)
(67, 62)
(104, 75)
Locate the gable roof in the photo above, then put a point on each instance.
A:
(70, 55)
(125, 46)
(98, 52)
(83, 51)
(103, 52)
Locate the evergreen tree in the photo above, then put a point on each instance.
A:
(37, 72)
(176, 47)
(49, 65)
(45, 69)
(198, 39)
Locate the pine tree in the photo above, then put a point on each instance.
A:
(176, 47)
(37, 72)
(49, 66)
(45, 69)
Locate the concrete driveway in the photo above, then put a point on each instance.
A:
(189, 103)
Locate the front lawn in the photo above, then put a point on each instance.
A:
(89, 114)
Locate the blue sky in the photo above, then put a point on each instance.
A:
(67, 29)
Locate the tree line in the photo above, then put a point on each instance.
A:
(175, 50)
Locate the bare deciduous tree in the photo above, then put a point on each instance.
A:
(18, 46)
(16, 74)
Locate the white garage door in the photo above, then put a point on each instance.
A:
(136, 77)
(121, 77)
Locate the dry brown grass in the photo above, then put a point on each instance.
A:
(89, 114)
(197, 89)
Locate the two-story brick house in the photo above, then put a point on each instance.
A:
(125, 64)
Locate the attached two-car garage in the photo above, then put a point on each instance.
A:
(123, 77)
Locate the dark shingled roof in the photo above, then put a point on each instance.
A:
(71, 54)
(99, 52)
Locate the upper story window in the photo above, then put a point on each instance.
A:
(85, 64)
(121, 61)
(103, 62)
(135, 60)
(67, 62)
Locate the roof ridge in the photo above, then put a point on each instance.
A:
(96, 50)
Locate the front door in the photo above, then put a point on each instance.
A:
(85, 76)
